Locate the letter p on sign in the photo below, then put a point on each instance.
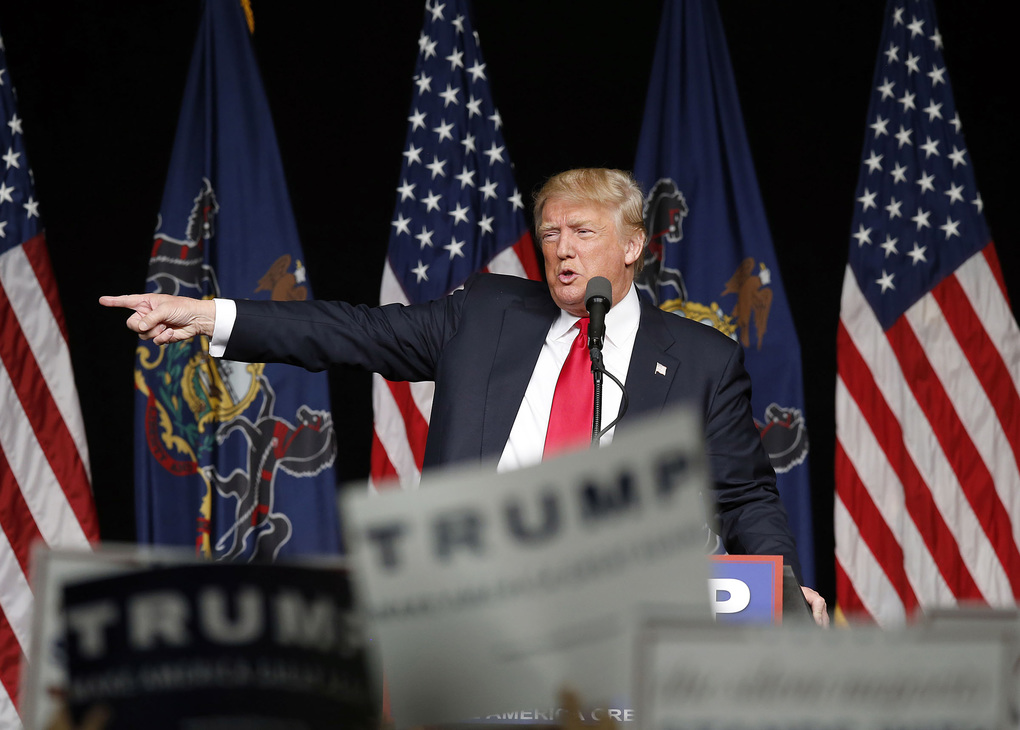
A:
(728, 595)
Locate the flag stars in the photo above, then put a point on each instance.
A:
(907, 100)
(485, 224)
(916, 27)
(431, 201)
(887, 89)
(477, 71)
(934, 111)
(456, 59)
(892, 54)
(417, 120)
(957, 157)
(449, 96)
(889, 245)
(488, 189)
(469, 143)
(897, 17)
(880, 126)
(494, 153)
(436, 10)
(436, 167)
(444, 130)
(911, 64)
(11, 158)
(424, 238)
(950, 228)
(455, 247)
(978, 203)
(921, 218)
(885, 281)
(459, 215)
(413, 154)
(421, 272)
(424, 83)
(867, 200)
(465, 177)
(936, 39)
(926, 183)
(863, 235)
(903, 137)
(496, 120)
(916, 254)
(899, 173)
(430, 49)
(515, 200)
(937, 76)
(955, 121)
(458, 23)
(3, 233)
(15, 124)
(402, 224)
(5, 193)
(893, 209)
(406, 191)
(955, 193)
(930, 147)
(474, 107)
(874, 162)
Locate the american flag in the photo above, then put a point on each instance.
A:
(927, 506)
(457, 211)
(45, 490)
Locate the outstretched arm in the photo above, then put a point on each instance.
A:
(163, 318)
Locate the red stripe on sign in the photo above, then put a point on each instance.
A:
(970, 469)
(873, 529)
(984, 358)
(916, 495)
(15, 517)
(51, 432)
(415, 424)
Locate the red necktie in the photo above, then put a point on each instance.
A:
(573, 407)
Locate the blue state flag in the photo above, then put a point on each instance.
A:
(233, 458)
(710, 254)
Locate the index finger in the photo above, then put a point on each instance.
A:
(129, 301)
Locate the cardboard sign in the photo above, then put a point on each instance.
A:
(487, 594)
(169, 646)
(706, 676)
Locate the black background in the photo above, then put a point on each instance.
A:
(99, 87)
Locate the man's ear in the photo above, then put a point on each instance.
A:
(634, 248)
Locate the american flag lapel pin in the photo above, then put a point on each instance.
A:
(660, 369)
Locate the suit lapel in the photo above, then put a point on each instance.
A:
(652, 367)
(521, 337)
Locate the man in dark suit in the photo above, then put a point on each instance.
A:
(495, 349)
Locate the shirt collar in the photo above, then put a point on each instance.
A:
(621, 320)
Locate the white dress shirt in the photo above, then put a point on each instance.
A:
(526, 443)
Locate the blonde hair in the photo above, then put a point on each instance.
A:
(612, 190)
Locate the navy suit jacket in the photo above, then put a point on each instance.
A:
(480, 346)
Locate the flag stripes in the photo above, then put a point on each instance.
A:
(938, 439)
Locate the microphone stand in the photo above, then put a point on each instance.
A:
(595, 350)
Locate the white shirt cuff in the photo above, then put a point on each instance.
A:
(226, 313)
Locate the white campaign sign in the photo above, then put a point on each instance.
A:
(702, 676)
(488, 594)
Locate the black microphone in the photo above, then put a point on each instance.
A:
(598, 298)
